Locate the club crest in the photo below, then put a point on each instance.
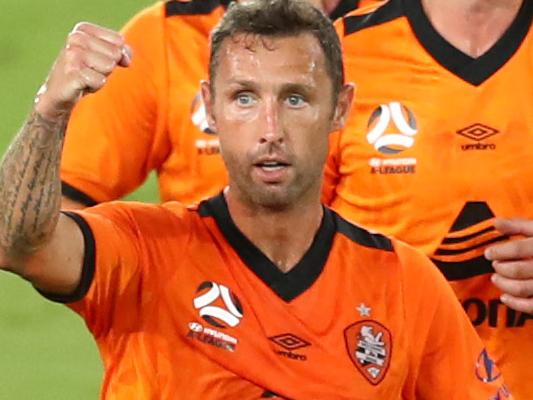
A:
(369, 345)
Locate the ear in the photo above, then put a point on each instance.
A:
(207, 97)
(343, 106)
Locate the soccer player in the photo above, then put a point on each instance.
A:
(260, 291)
(151, 117)
(438, 145)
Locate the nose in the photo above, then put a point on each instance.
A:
(273, 130)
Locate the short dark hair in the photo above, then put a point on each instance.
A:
(280, 18)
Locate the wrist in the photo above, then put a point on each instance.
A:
(46, 107)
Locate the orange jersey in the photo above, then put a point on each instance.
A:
(183, 305)
(150, 116)
(436, 146)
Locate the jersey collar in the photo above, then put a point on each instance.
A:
(472, 70)
(343, 8)
(288, 285)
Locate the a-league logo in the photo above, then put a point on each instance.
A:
(392, 138)
(222, 314)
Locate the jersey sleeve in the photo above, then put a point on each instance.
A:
(448, 360)
(126, 259)
(115, 136)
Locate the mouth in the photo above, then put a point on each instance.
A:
(272, 171)
(272, 165)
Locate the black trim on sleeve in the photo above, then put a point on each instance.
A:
(459, 270)
(288, 285)
(385, 13)
(88, 268)
(76, 195)
(472, 70)
(362, 236)
(453, 252)
(193, 7)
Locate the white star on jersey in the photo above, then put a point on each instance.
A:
(364, 311)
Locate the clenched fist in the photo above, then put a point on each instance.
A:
(90, 55)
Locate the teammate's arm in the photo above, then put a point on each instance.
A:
(37, 242)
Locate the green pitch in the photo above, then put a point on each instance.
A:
(45, 350)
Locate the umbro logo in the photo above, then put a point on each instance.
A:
(290, 343)
(478, 133)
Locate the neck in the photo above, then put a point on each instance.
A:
(472, 26)
(282, 235)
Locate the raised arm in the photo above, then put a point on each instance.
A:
(36, 241)
(124, 114)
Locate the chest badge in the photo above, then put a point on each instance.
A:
(369, 345)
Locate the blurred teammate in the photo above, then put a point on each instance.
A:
(228, 299)
(438, 145)
(151, 117)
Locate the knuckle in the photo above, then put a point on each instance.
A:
(110, 66)
(106, 70)
(76, 76)
(72, 58)
(93, 79)
(85, 74)
(75, 37)
(116, 53)
(81, 26)
(103, 66)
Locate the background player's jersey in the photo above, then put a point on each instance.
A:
(150, 116)
(438, 144)
(182, 305)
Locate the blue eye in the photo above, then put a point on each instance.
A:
(245, 99)
(295, 100)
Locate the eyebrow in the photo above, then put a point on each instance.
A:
(298, 88)
(243, 83)
(286, 88)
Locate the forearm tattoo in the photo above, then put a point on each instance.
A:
(30, 187)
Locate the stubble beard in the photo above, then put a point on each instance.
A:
(274, 198)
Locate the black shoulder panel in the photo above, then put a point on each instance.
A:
(193, 7)
(362, 236)
(387, 12)
(343, 8)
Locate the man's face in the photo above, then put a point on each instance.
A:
(272, 106)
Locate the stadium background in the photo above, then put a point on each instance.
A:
(45, 349)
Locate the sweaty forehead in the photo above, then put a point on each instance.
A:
(251, 56)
